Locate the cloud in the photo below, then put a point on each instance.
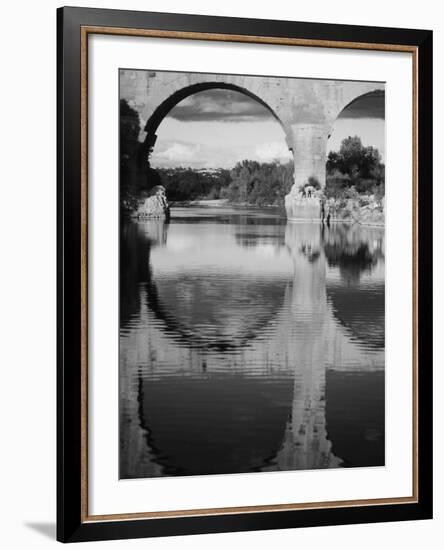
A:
(267, 152)
(175, 153)
(219, 105)
(169, 153)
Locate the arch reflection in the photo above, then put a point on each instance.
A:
(267, 391)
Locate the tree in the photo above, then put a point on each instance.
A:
(259, 183)
(129, 133)
(354, 165)
(354, 159)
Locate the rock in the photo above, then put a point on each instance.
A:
(155, 206)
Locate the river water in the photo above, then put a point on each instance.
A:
(249, 344)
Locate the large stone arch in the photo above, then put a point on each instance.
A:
(174, 96)
(154, 94)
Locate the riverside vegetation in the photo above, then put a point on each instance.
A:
(354, 190)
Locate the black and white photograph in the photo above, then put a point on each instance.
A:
(252, 274)
(221, 300)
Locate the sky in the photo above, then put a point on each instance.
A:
(217, 128)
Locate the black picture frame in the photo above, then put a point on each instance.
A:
(72, 523)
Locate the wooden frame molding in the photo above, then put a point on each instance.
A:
(85, 32)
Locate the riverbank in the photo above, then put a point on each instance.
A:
(363, 212)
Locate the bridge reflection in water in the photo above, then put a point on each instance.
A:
(249, 344)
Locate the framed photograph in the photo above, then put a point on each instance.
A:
(244, 274)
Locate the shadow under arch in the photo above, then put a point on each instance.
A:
(176, 97)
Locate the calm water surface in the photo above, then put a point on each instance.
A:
(249, 344)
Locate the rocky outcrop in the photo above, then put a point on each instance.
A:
(365, 210)
(155, 206)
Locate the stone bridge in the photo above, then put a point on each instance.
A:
(306, 109)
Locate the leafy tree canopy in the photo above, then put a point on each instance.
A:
(354, 160)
